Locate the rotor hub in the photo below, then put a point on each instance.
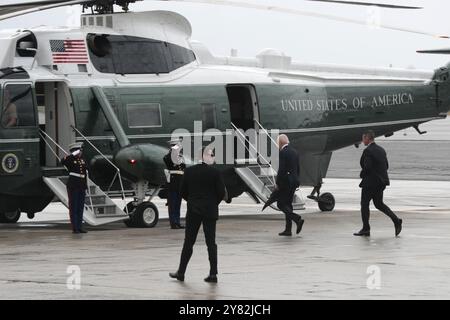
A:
(107, 6)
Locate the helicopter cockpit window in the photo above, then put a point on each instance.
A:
(134, 55)
(18, 106)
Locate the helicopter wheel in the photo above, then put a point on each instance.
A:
(10, 217)
(146, 215)
(326, 202)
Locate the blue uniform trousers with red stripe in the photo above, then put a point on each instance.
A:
(76, 207)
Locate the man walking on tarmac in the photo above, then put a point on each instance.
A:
(288, 180)
(374, 175)
(76, 186)
(203, 189)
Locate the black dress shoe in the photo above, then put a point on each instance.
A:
(75, 231)
(176, 275)
(82, 231)
(285, 233)
(174, 226)
(180, 226)
(398, 227)
(362, 233)
(211, 278)
(300, 225)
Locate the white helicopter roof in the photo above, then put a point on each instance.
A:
(270, 65)
(278, 65)
(158, 24)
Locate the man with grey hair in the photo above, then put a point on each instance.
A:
(288, 180)
(374, 175)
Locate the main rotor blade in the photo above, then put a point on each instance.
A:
(14, 10)
(25, 8)
(359, 3)
(242, 4)
(435, 51)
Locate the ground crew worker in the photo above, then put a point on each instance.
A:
(175, 165)
(76, 186)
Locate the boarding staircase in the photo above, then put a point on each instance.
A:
(257, 172)
(99, 208)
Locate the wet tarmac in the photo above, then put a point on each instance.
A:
(324, 262)
(40, 259)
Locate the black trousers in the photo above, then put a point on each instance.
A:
(375, 194)
(284, 203)
(193, 222)
(76, 207)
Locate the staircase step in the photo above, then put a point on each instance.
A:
(266, 179)
(246, 162)
(95, 199)
(51, 172)
(102, 210)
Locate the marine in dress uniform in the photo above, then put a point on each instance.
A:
(175, 164)
(76, 186)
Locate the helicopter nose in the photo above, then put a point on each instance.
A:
(143, 162)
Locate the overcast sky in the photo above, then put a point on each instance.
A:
(306, 39)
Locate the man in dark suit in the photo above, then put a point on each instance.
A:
(203, 189)
(288, 180)
(374, 175)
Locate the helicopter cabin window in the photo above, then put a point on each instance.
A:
(99, 21)
(109, 22)
(133, 55)
(209, 120)
(144, 115)
(18, 106)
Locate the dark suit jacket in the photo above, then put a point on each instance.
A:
(374, 167)
(288, 176)
(203, 189)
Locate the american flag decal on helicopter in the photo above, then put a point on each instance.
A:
(69, 51)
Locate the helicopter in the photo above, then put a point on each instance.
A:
(123, 83)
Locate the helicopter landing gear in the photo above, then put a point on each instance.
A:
(325, 200)
(130, 208)
(10, 217)
(143, 214)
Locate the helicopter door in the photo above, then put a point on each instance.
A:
(55, 118)
(244, 113)
(18, 131)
